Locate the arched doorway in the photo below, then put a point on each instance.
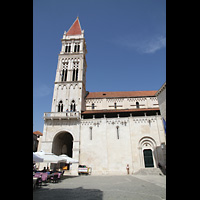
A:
(147, 152)
(63, 144)
(148, 158)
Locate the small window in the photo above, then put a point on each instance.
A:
(90, 133)
(92, 106)
(137, 105)
(117, 132)
(115, 105)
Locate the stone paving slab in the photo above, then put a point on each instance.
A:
(155, 179)
(103, 188)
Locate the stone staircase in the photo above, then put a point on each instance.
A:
(149, 171)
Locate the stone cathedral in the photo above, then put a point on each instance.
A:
(102, 130)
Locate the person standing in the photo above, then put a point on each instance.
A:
(127, 168)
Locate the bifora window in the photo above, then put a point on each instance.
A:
(75, 72)
(68, 48)
(60, 106)
(76, 47)
(73, 106)
(64, 71)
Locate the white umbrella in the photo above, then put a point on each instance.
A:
(37, 158)
(49, 157)
(40, 152)
(68, 159)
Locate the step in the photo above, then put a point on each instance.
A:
(149, 171)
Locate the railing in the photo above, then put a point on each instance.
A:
(62, 115)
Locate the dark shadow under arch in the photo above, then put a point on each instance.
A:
(63, 144)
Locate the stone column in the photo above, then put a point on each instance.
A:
(74, 166)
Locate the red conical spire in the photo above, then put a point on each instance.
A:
(75, 29)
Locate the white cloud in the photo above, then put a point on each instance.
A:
(42, 91)
(153, 45)
(143, 45)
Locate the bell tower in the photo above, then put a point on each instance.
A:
(70, 80)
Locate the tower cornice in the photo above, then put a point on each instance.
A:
(68, 82)
(71, 39)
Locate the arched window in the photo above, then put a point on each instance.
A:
(62, 75)
(73, 106)
(68, 48)
(137, 105)
(75, 75)
(75, 71)
(76, 47)
(60, 106)
(65, 77)
(64, 71)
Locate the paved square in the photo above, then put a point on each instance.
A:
(104, 188)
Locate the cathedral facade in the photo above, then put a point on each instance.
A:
(102, 130)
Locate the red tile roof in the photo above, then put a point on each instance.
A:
(75, 29)
(37, 133)
(92, 95)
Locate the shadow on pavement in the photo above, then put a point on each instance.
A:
(68, 177)
(77, 193)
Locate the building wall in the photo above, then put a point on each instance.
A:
(53, 128)
(104, 152)
(122, 103)
(161, 96)
(67, 93)
(107, 154)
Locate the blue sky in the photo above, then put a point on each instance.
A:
(126, 44)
